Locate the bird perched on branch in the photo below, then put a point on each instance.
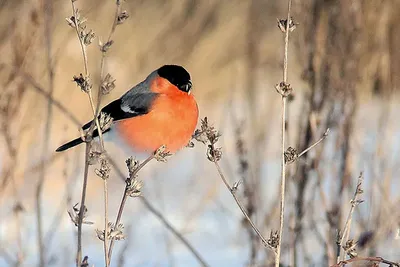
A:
(158, 111)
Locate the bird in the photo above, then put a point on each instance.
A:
(159, 111)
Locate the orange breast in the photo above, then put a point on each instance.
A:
(171, 122)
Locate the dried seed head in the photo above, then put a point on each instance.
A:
(290, 155)
(74, 214)
(350, 248)
(273, 239)
(214, 154)
(105, 121)
(161, 155)
(282, 24)
(132, 165)
(116, 232)
(105, 169)
(134, 187)
(108, 84)
(104, 47)
(71, 21)
(83, 82)
(284, 89)
(122, 17)
(88, 37)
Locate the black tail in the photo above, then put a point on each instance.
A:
(70, 144)
(79, 140)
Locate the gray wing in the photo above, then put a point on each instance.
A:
(137, 101)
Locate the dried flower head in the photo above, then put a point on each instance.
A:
(83, 82)
(350, 248)
(161, 155)
(74, 214)
(108, 84)
(209, 136)
(122, 17)
(214, 154)
(273, 239)
(94, 157)
(291, 155)
(284, 89)
(113, 232)
(105, 121)
(104, 47)
(132, 165)
(88, 37)
(134, 187)
(105, 169)
(282, 24)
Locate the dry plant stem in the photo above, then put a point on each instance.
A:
(164, 221)
(175, 232)
(315, 144)
(283, 133)
(123, 201)
(240, 205)
(96, 121)
(47, 131)
(97, 110)
(370, 259)
(346, 231)
(82, 207)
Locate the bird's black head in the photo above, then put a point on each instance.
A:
(176, 75)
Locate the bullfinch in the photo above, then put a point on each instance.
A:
(158, 111)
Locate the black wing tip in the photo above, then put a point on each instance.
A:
(70, 144)
(62, 148)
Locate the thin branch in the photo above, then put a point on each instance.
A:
(47, 10)
(87, 154)
(315, 144)
(232, 190)
(128, 182)
(370, 259)
(285, 91)
(158, 214)
(174, 231)
(346, 231)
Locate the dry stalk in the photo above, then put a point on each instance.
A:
(373, 260)
(355, 201)
(209, 136)
(129, 182)
(76, 24)
(284, 90)
(47, 13)
(153, 210)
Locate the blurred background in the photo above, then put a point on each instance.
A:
(344, 64)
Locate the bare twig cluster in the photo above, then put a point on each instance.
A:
(209, 136)
(100, 121)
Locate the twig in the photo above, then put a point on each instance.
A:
(232, 190)
(174, 231)
(128, 182)
(285, 90)
(158, 214)
(47, 131)
(346, 231)
(87, 154)
(315, 144)
(370, 259)
(82, 207)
